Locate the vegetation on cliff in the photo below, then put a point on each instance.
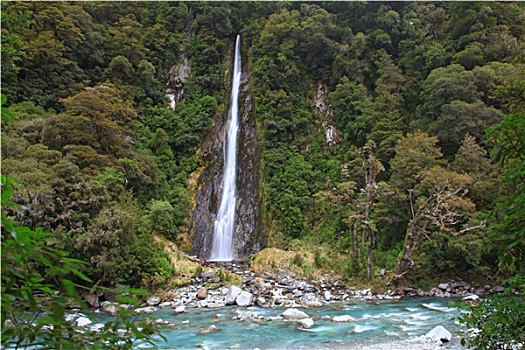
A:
(371, 118)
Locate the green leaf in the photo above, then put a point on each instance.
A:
(69, 287)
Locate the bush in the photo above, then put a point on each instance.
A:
(497, 322)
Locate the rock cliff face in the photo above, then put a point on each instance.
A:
(247, 236)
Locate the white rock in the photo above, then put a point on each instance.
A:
(166, 304)
(306, 323)
(146, 310)
(180, 309)
(327, 295)
(294, 314)
(244, 299)
(83, 321)
(185, 322)
(439, 333)
(232, 295)
(154, 300)
(344, 318)
(216, 305)
(96, 327)
(472, 297)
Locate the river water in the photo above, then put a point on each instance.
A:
(377, 322)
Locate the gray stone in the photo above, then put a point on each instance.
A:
(306, 323)
(327, 295)
(439, 333)
(202, 303)
(498, 289)
(294, 314)
(154, 300)
(108, 308)
(166, 305)
(232, 295)
(244, 299)
(443, 286)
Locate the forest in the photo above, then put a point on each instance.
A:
(391, 134)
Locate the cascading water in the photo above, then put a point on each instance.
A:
(222, 246)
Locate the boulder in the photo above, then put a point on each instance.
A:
(344, 318)
(244, 299)
(166, 304)
(83, 321)
(439, 333)
(202, 293)
(294, 314)
(232, 295)
(327, 295)
(108, 308)
(154, 300)
(306, 323)
(146, 310)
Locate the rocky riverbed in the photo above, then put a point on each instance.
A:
(208, 290)
(212, 290)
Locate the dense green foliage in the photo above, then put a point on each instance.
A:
(371, 119)
(497, 322)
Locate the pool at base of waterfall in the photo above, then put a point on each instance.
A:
(264, 328)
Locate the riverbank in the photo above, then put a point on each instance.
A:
(236, 284)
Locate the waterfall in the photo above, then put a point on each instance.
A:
(222, 246)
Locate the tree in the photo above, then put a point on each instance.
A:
(438, 203)
(444, 85)
(387, 118)
(371, 168)
(473, 160)
(415, 153)
(435, 197)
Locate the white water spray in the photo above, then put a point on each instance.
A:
(222, 247)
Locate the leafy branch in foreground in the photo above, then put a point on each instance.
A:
(497, 322)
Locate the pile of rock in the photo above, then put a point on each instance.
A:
(268, 290)
(454, 289)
